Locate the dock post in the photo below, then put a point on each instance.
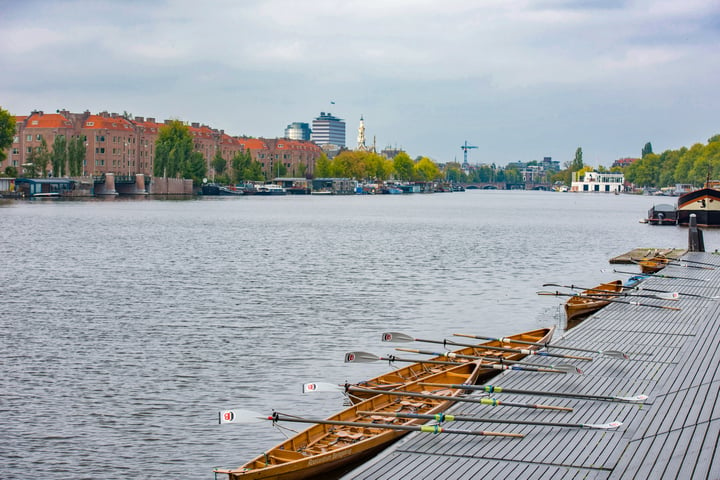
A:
(695, 236)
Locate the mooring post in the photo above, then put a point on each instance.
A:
(695, 236)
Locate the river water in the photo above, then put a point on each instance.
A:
(127, 324)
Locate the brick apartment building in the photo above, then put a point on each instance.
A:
(116, 144)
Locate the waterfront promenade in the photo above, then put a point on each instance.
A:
(674, 359)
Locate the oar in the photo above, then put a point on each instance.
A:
(560, 294)
(248, 416)
(693, 261)
(670, 262)
(324, 387)
(659, 275)
(496, 389)
(366, 357)
(679, 293)
(602, 293)
(563, 366)
(443, 417)
(609, 353)
(401, 337)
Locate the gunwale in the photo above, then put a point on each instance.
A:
(580, 306)
(420, 370)
(302, 455)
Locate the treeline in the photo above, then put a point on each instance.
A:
(687, 165)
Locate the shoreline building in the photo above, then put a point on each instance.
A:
(125, 146)
(598, 182)
(298, 131)
(328, 130)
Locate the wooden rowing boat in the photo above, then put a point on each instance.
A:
(589, 301)
(420, 370)
(652, 265)
(323, 448)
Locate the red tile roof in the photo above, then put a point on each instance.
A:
(48, 120)
(109, 123)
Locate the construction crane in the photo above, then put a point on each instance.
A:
(465, 149)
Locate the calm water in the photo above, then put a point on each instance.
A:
(127, 324)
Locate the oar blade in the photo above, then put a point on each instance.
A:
(396, 337)
(319, 387)
(360, 357)
(241, 416)
(603, 426)
(571, 369)
(636, 398)
(615, 354)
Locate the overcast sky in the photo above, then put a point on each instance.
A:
(520, 80)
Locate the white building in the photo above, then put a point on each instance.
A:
(598, 182)
(328, 130)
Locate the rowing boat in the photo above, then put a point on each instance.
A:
(421, 370)
(323, 448)
(589, 301)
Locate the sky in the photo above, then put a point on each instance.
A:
(519, 79)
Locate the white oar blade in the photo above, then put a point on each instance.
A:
(615, 354)
(396, 337)
(241, 416)
(571, 369)
(636, 398)
(360, 357)
(603, 426)
(321, 387)
(667, 296)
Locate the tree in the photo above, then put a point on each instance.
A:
(7, 132)
(577, 163)
(322, 166)
(647, 150)
(239, 163)
(59, 156)
(403, 166)
(42, 158)
(174, 154)
(219, 164)
(75, 156)
(427, 170)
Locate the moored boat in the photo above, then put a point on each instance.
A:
(323, 448)
(662, 214)
(652, 265)
(589, 301)
(704, 203)
(421, 370)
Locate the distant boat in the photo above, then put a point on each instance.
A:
(704, 203)
(269, 189)
(662, 214)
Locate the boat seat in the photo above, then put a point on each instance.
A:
(286, 455)
(349, 435)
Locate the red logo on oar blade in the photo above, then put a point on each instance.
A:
(310, 387)
(229, 416)
(387, 337)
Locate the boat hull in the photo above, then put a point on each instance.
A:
(578, 308)
(417, 371)
(322, 448)
(704, 204)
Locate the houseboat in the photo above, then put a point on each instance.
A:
(662, 214)
(704, 203)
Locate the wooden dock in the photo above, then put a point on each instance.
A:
(637, 253)
(674, 359)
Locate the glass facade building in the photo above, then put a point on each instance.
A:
(298, 131)
(328, 129)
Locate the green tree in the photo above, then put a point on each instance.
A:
(254, 172)
(11, 171)
(322, 166)
(7, 132)
(239, 163)
(174, 154)
(647, 150)
(42, 158)
(403, 166)
(59, 156)
(76, 156)
(219, 164)
(577, 163)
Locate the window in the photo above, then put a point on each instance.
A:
(34, 122)
(38, 137)
(16, 151)
(90, 124)
(28, 138)
(16, 139)
(29, 150)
